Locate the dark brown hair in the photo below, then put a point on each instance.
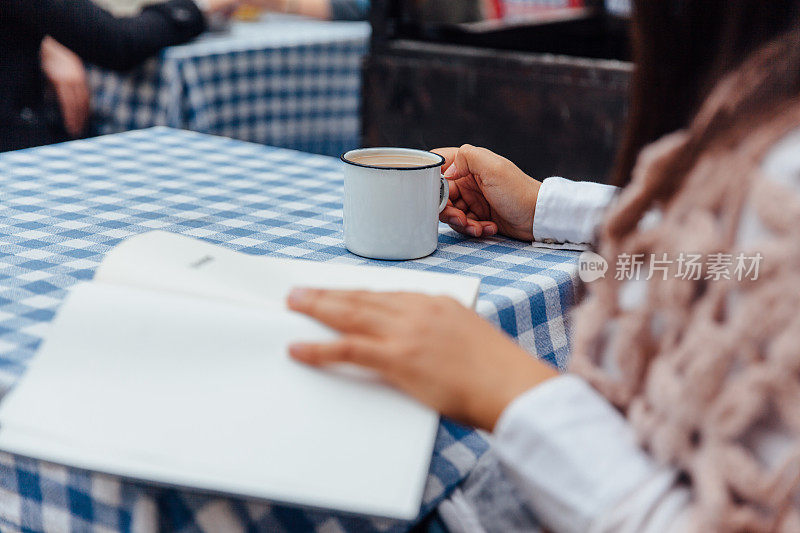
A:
(683, 48)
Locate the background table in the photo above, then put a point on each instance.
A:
(285, 81)
(64, 206)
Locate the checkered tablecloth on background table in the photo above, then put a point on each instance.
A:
(63, 207)
(283, 81)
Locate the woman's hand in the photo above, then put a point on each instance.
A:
(66, 74)
(488, 194)
(432, 348)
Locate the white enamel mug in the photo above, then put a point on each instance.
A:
(392, 212)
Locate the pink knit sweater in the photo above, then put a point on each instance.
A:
(695, 375)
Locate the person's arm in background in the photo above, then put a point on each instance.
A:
(66, 74)
(321, 9)
(117, 43)
(489, 194)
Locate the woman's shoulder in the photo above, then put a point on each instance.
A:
(782, 161)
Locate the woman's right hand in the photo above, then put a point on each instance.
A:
(488, 194)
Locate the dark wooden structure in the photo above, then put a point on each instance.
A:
(550, 96)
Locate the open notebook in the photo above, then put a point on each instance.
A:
(171, 367)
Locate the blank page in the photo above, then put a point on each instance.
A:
(171, 262)
(189, 392)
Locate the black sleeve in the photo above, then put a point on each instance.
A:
(99, 37)
(349, 9)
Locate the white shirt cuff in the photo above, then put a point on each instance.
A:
(575, 457)
(570, 211)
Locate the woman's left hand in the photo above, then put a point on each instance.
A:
(433, 348)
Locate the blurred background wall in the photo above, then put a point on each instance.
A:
(548, 89)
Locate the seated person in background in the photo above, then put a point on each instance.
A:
(26, 117)
(681, 410)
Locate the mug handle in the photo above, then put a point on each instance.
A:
(444, 193)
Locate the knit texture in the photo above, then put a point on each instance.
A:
(701, 366)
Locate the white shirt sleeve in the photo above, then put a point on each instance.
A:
(579, 465)
(570, 211)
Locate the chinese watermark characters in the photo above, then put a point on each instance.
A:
(685, 266)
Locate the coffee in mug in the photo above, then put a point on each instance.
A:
(384, 160)
(392, 201)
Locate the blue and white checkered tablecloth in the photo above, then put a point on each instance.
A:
(284, 81)
(63, 207)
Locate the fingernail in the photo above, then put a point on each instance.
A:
(488, 232)
(454, 222)
(451, 171)
(298, 350)
(472, 230)
(298, 296)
